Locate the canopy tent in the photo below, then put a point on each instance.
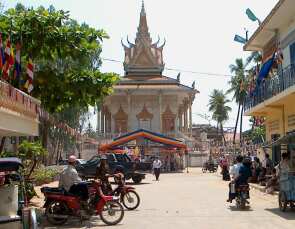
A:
(141, 133)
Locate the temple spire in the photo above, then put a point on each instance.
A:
(142, 8)
(143, 30)
(143, 58)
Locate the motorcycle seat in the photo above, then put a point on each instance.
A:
(53, 190)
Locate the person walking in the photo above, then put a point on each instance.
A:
(157, 164)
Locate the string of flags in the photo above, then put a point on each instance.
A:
(10, 65)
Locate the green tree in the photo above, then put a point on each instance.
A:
(218, 107)
(66, 55)
(238, 86)
(255, 57)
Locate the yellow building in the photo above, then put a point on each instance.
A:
(274, 97)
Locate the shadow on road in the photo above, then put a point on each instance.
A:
(235, 209)
(289, 214)
(131, 183)
(75, 224)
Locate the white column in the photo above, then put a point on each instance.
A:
(180, 120)
(129, 113)
(98, 126)
(185, 119)
(102, 120)
(190, 118)
(160, 109)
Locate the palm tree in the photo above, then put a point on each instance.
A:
(217, 105)
(255, 57)
(238, 86)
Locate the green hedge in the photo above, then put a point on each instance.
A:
(44, 175)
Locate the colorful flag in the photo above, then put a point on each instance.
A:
(2, 56)
(280, 56)
(30, 72)
(17, 65)
(7, 49)
(9, 57)
(265, 69)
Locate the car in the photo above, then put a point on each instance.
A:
(78, 161)
(117, 163)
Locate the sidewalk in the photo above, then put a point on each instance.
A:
(38, 201)
(262, 189)
(256, 187)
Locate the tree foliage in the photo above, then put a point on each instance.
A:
(66, 55)
(218, 107)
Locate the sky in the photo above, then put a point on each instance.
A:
(199, 36)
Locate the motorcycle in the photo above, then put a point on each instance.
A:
(209, 166)
(127, 194)
(242, 196)
(60, 205)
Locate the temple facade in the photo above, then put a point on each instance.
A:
(144, 98)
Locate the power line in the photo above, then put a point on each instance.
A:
(178, 70)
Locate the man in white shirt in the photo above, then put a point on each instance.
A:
(234, 172)
(71, 182)
(157, 164)
(235, 169)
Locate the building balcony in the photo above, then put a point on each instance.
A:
(19, 112)
(271, 90)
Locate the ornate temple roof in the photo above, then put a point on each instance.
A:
(143, 57)
(144, 64)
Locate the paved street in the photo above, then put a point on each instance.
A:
(196, 200)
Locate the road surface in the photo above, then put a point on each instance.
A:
(195, 200)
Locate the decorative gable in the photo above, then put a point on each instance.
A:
(144, 115)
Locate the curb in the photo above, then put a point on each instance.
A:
(262, 189)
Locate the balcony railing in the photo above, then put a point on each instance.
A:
(271, 87)
(18, 101)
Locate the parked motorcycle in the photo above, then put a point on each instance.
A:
(60, 205)
(209, 166)
(127, 194)
(242, 196)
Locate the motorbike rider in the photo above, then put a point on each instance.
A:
(244, 175)
(103, 173)
(234, 172)
(72, 183)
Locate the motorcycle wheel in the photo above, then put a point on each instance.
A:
(131, 200)
(112, 213)
(203, 170)
(243, 203)
(56, 208)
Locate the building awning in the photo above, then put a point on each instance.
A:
(141, 133)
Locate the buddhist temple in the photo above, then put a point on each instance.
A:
(144, 98)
